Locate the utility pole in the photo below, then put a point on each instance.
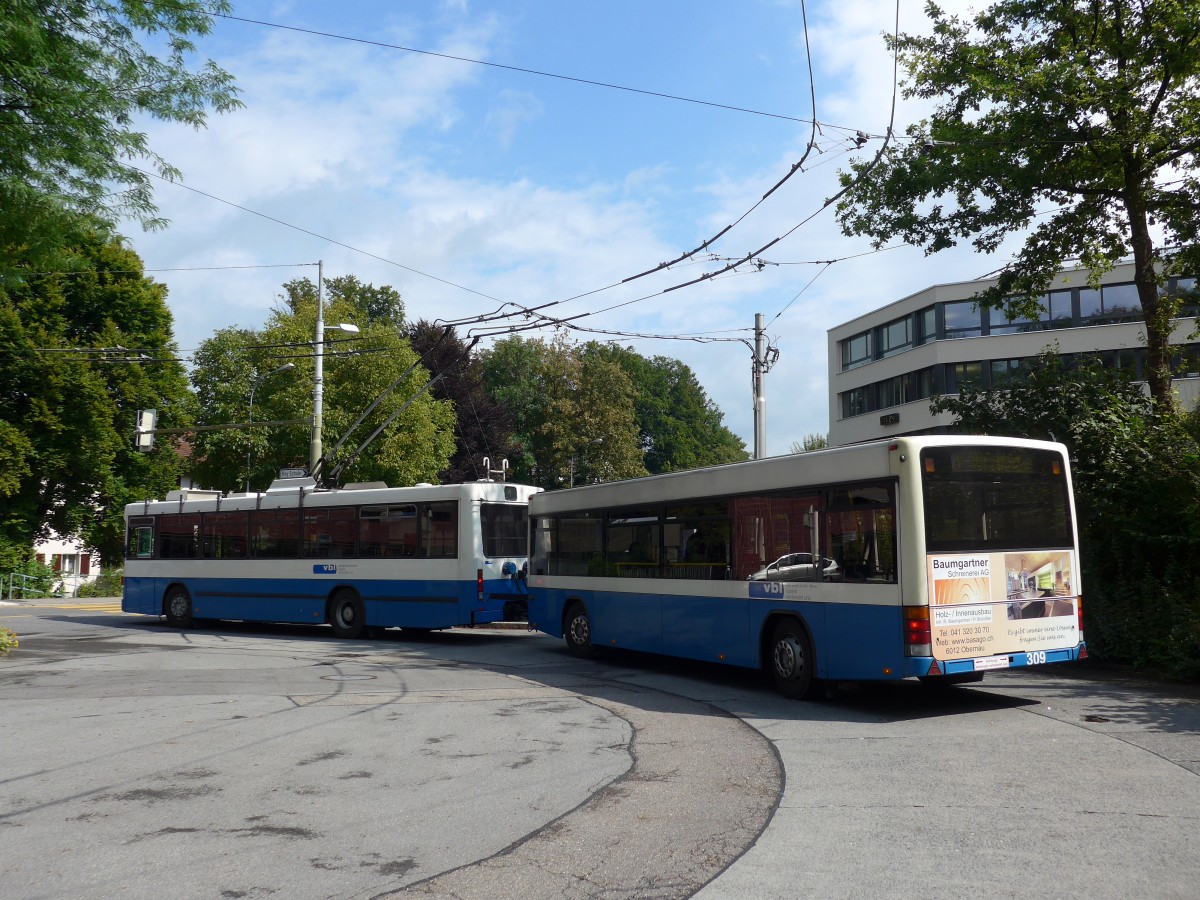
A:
(764, 357)
(314, 446)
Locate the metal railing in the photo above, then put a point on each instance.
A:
(28, 586)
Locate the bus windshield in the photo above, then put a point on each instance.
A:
(994, 498)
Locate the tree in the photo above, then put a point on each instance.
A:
(810, 443)
(483, 427)
(1136, 471)
(572, 412)
(678, 425)
(413, 447)
(378, 305)
(82, 353)
(74, 79)
(1088, 108)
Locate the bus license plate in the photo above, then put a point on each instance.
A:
(991, 662)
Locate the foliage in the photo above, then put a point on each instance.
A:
(8, 641)
(483, 428)
(82, 353)
(378, 305)
(679, 426)
(1089, 109)
(74, 79)
(810, 443)
(572, 412)
(33, 578)
(106, 584)
(358, 370)
(1136, 472)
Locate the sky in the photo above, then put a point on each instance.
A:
(476, 188)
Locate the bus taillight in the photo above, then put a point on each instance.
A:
(1079, 614)
(917, 638)
(479, 583)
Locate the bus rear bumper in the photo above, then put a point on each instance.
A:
(924, 667)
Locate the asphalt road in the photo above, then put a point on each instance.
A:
(254, 761)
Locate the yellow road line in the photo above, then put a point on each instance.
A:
(89, 607)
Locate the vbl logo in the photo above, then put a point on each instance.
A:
(767, 589)
(325, 569)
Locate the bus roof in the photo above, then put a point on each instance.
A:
(836, 465)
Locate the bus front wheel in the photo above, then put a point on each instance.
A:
(792, 661)
(177, 607)
(578, 631)
(346, 615)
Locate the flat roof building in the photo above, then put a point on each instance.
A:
(885, 366)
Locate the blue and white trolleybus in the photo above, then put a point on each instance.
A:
(423, 557)
(940, 558)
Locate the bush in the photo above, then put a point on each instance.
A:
(107, 584)
(1136, 471)
(8, 641)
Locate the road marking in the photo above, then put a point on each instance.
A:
(87, 607)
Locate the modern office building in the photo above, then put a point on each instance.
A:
(886, 365)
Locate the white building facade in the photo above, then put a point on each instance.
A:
(72, 564)
(886, 365)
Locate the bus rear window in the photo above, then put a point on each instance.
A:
(994, 498)
(504, 529)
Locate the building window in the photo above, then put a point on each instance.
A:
(1186, 359)
(962, 319)
(926, 383)
(856, 351)
(966, 373)
(926, 325)
(1000, 324)
(1061, 314)
(1121, 302)
(1091, 308)
(1008, 371)
(895, 336)
(854, 402)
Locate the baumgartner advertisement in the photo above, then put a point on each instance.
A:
(982, 604)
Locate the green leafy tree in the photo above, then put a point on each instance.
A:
(1136, 471)
(359, 369)
(82, 352)
(74, 79)
(810, 443)
(482, 428)
(1075, 122)
(679, 426)
(380, 305)
(572, 412)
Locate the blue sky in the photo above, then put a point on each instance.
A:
(468, 186)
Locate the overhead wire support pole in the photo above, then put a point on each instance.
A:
(764, 357)
(760, 400)
(314, 446)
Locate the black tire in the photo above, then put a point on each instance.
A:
(792, 661)
(177, 607)
(346, 615)
(577, 629)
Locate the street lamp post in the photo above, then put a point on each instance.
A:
(249, 435)
(314, 448)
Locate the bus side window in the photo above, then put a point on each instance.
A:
(860, 532)
(141, 539)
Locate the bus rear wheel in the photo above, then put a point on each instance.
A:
(792, 661)
(577, 629)
(346, 615)
(177, 607)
